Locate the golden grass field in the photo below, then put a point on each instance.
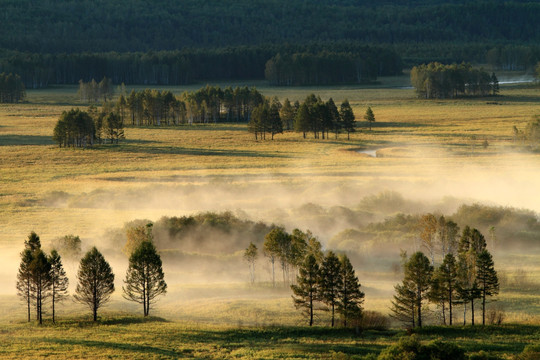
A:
(427, 150)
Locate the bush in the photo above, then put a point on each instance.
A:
(374, 320)
(531, 352)
(410, 348)
(482, 355)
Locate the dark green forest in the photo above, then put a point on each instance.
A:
(178, 42)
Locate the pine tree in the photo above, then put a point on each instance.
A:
(24, 279)
(306, 291)
(471, 243)
(330, 281)
(287, 113)
(301, 120)
(96, 281)
(350, 297)
(444, 287)
(347, 118)
(275, 124)
(59, 281)
(403, 305)
(144, 278)
(411, 295)
(40, 269)
(486, 276)
(335, 118)
(369, 116)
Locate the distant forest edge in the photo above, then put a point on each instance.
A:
(283, 65)
(292, 43)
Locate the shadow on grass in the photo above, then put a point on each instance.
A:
(164, 150)
(145, 349)
(363, 125)
(8, 140)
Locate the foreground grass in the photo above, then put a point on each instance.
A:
(136, 338)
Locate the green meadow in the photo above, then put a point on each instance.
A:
(440, 152)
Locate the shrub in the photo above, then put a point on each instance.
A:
(531, 352)
(374, 320)
(410, 348)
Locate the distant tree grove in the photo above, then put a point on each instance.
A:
(439, 81)
(12, 88)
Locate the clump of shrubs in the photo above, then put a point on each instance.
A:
(411, 348)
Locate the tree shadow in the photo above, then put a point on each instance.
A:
(145, 349)
(174, 150)
(9, 140)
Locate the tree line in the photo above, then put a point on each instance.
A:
(439, 81)
(41, 278)
(464, 273)
(12, 88)
(187, 66)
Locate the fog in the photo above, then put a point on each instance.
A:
(323, 201)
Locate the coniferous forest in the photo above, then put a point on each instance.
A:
(295, 43)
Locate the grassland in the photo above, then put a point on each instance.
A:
(426, 150)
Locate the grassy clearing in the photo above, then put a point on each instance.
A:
(427, 150)
(130, 337)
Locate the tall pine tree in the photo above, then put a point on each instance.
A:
(307, 289)
(350, 297)
(486, 276)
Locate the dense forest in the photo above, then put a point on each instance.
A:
(139, 42)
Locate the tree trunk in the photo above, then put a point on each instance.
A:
(472, 312)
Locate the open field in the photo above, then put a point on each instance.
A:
(430, 151)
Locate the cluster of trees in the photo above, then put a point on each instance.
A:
(77, 128)
(313, 115)
(317, 279)
(42, 277)
(325, 68)
(439, 81)
(12, 89)
(465, 273)
(208, 104)
(92, 91)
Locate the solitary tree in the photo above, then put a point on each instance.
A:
(330, 281)
(59, 281)
(96, 281)
(369, 116)
(350, 298)
(306, 291)
(347, 118)
(486, 276)
(250, 255)
(144, 278)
